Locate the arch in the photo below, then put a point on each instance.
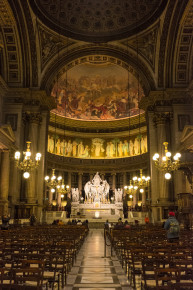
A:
(128, 60)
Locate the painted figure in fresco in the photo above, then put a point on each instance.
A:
(125, 148)
(62, 147)
(120, 149)
(142, 145)
(118, 195)
(65, 149)
(69, 148)
(136, 146)
(51, 144)
(86, 152)
(74, 148)
(145, 143)
(58, 147)
(98, 146)
(112, 149)
(131, 148)
(80, 149)
(108, 149)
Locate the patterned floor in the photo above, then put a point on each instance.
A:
(94, 271)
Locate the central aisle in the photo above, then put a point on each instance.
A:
(93, 271)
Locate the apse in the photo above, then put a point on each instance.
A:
(97, 92)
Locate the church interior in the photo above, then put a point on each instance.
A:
(96, 131)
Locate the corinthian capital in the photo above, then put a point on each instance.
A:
(162, 117)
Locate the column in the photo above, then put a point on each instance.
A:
(152, 148)
(80, 183)
(114, 181)
(143, 197)
(50, 197)
(42, 148)
(124, 182)
(5, 169)
(160, 120)
(35, 119)
(69, 179)
(58, 198)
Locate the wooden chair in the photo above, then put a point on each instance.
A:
(166, 277)
(29, 277)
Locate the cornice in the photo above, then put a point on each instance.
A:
(97, 124)
(29, 97)
(89, 165)
(75, 134)
(165, 98)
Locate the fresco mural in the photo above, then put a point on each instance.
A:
(97, 92)
(97, 148)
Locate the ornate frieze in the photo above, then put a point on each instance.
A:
(32, 117)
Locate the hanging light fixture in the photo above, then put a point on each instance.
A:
(167, 164)
(27, 165)
(53, 182)
(141, 181)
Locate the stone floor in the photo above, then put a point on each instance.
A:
(94, 271)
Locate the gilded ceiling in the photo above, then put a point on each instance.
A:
(98, 21)
(97, 92)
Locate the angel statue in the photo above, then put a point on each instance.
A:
(87, 189)
(118, 195)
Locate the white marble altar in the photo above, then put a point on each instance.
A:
(97, 199)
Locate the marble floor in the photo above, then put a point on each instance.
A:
(95, 271)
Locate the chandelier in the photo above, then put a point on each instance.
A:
(27, 165)
(167, 164)
(53, 182)
(141, 181)
(130, 189)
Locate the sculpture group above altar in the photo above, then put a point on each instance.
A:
(97, 190)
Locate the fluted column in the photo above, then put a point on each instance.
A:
(34, 121)
(42, 141)
(5, 169)
(160, 120)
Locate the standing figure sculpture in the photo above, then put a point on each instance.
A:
(118, 195)
(75, 194)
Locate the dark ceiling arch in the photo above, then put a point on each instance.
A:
(98, 21)
(128, 58)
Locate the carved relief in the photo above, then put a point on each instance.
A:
(146, 45)
(50, 45)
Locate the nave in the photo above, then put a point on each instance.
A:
(94, 271)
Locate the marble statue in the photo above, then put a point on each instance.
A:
(75, 194)
(118, 195)
(96, 189)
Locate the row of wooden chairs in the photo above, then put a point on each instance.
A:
(32, 259)
(151, 262)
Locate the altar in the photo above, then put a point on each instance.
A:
(97, 204)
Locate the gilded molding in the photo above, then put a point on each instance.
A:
(55, 119)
